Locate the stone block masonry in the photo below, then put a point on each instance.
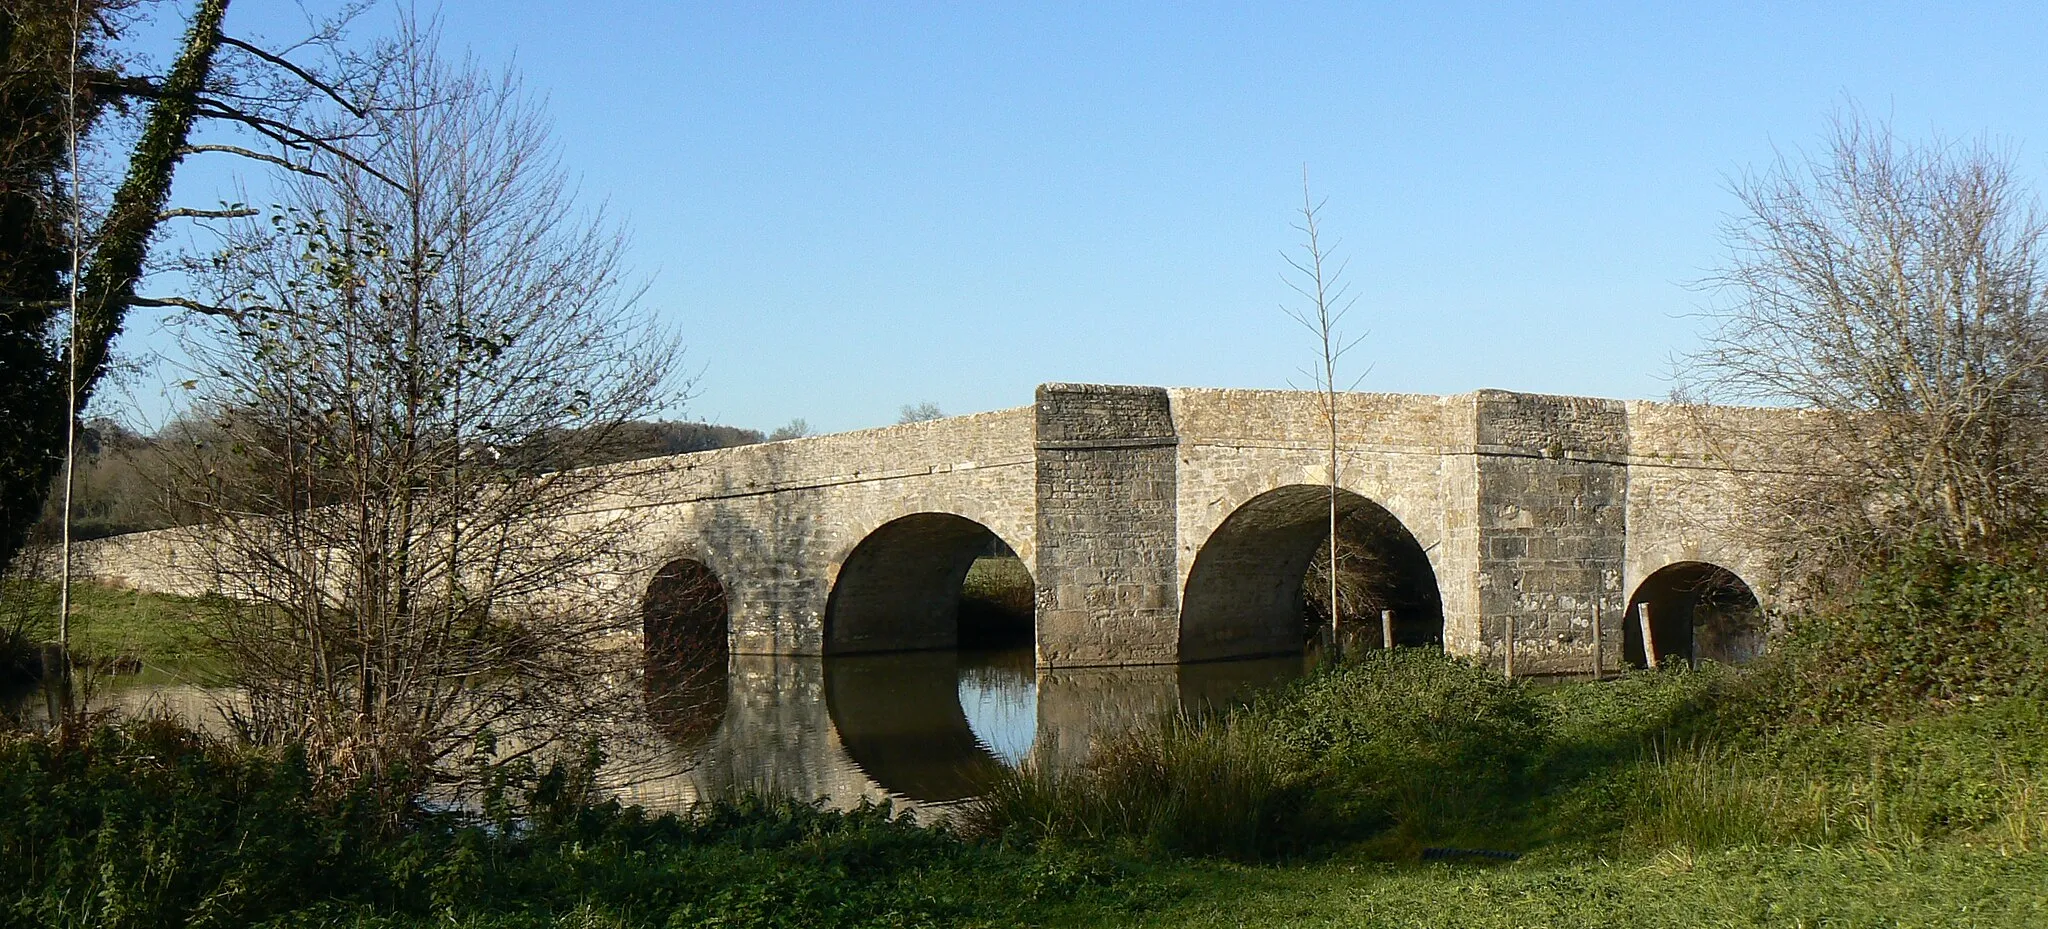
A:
(1107, 591)
(1165, 525)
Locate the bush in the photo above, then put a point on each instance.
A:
(1926, 629)
(151, 824)
(1431, 745)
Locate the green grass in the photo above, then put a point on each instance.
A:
(109, 623)
(151, 825)
(1628, 807)
(1002, 581)
(1747, 886)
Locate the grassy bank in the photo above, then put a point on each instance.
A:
(1400, 788)
(149, 825)
(108, 624)
(1397, 753)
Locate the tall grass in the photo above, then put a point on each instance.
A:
(1393, 752)
(1183, 784)
(1979, 773)
(1405, 746)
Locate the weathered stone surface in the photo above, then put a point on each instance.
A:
(1165, 525)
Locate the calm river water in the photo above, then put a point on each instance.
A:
(923, 729)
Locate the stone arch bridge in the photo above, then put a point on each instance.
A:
(1172, 525)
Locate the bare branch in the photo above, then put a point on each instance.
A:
(302, 74)
(191, 213)
(186, 304)
(253, 155)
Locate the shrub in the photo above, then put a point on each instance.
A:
(151, 824)
(1925, 629)
(1413, 739)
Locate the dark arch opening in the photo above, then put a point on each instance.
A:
(1698, 612)
(904, 588)
(685, 630)
(1246, 593)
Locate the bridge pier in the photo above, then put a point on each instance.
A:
(1107, 590)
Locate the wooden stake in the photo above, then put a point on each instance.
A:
(1599, 657)
(1386, 628)
(1649, 640)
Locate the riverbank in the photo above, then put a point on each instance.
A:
(1628, 811)
(110, 626)
(1394, 788)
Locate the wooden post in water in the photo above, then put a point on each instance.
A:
(1649, 639)
(1507, 644)
(1386, 628)
(1599, 657)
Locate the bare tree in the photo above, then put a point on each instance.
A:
(1318, 279)
(1894, 291)
(794, 429)
(922, 412)
(408, 359)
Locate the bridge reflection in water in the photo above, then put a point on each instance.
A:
(922, 729)
(925, 730)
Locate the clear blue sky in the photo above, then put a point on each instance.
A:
(847, 208)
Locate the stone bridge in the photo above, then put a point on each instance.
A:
(1175, 525)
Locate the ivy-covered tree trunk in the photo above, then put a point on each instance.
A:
(35, 235)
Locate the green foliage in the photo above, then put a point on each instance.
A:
(35, 239)
(1411, 738)
(1183, 785)
(1925, 629)
(35, 245)
(150, 824)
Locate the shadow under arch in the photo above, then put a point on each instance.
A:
(685, 629)
(1244, 595)
(900, 588)
(1699, 611)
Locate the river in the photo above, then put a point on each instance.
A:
(921, 729)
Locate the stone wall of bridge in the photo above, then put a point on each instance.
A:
(778, 523)
(1165, 525)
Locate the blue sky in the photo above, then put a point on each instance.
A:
(847, 208)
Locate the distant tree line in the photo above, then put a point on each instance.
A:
(123, 474)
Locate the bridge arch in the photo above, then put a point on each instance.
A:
(685, 617)
(1699, 611)
(1244, 593)
(899, 587)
